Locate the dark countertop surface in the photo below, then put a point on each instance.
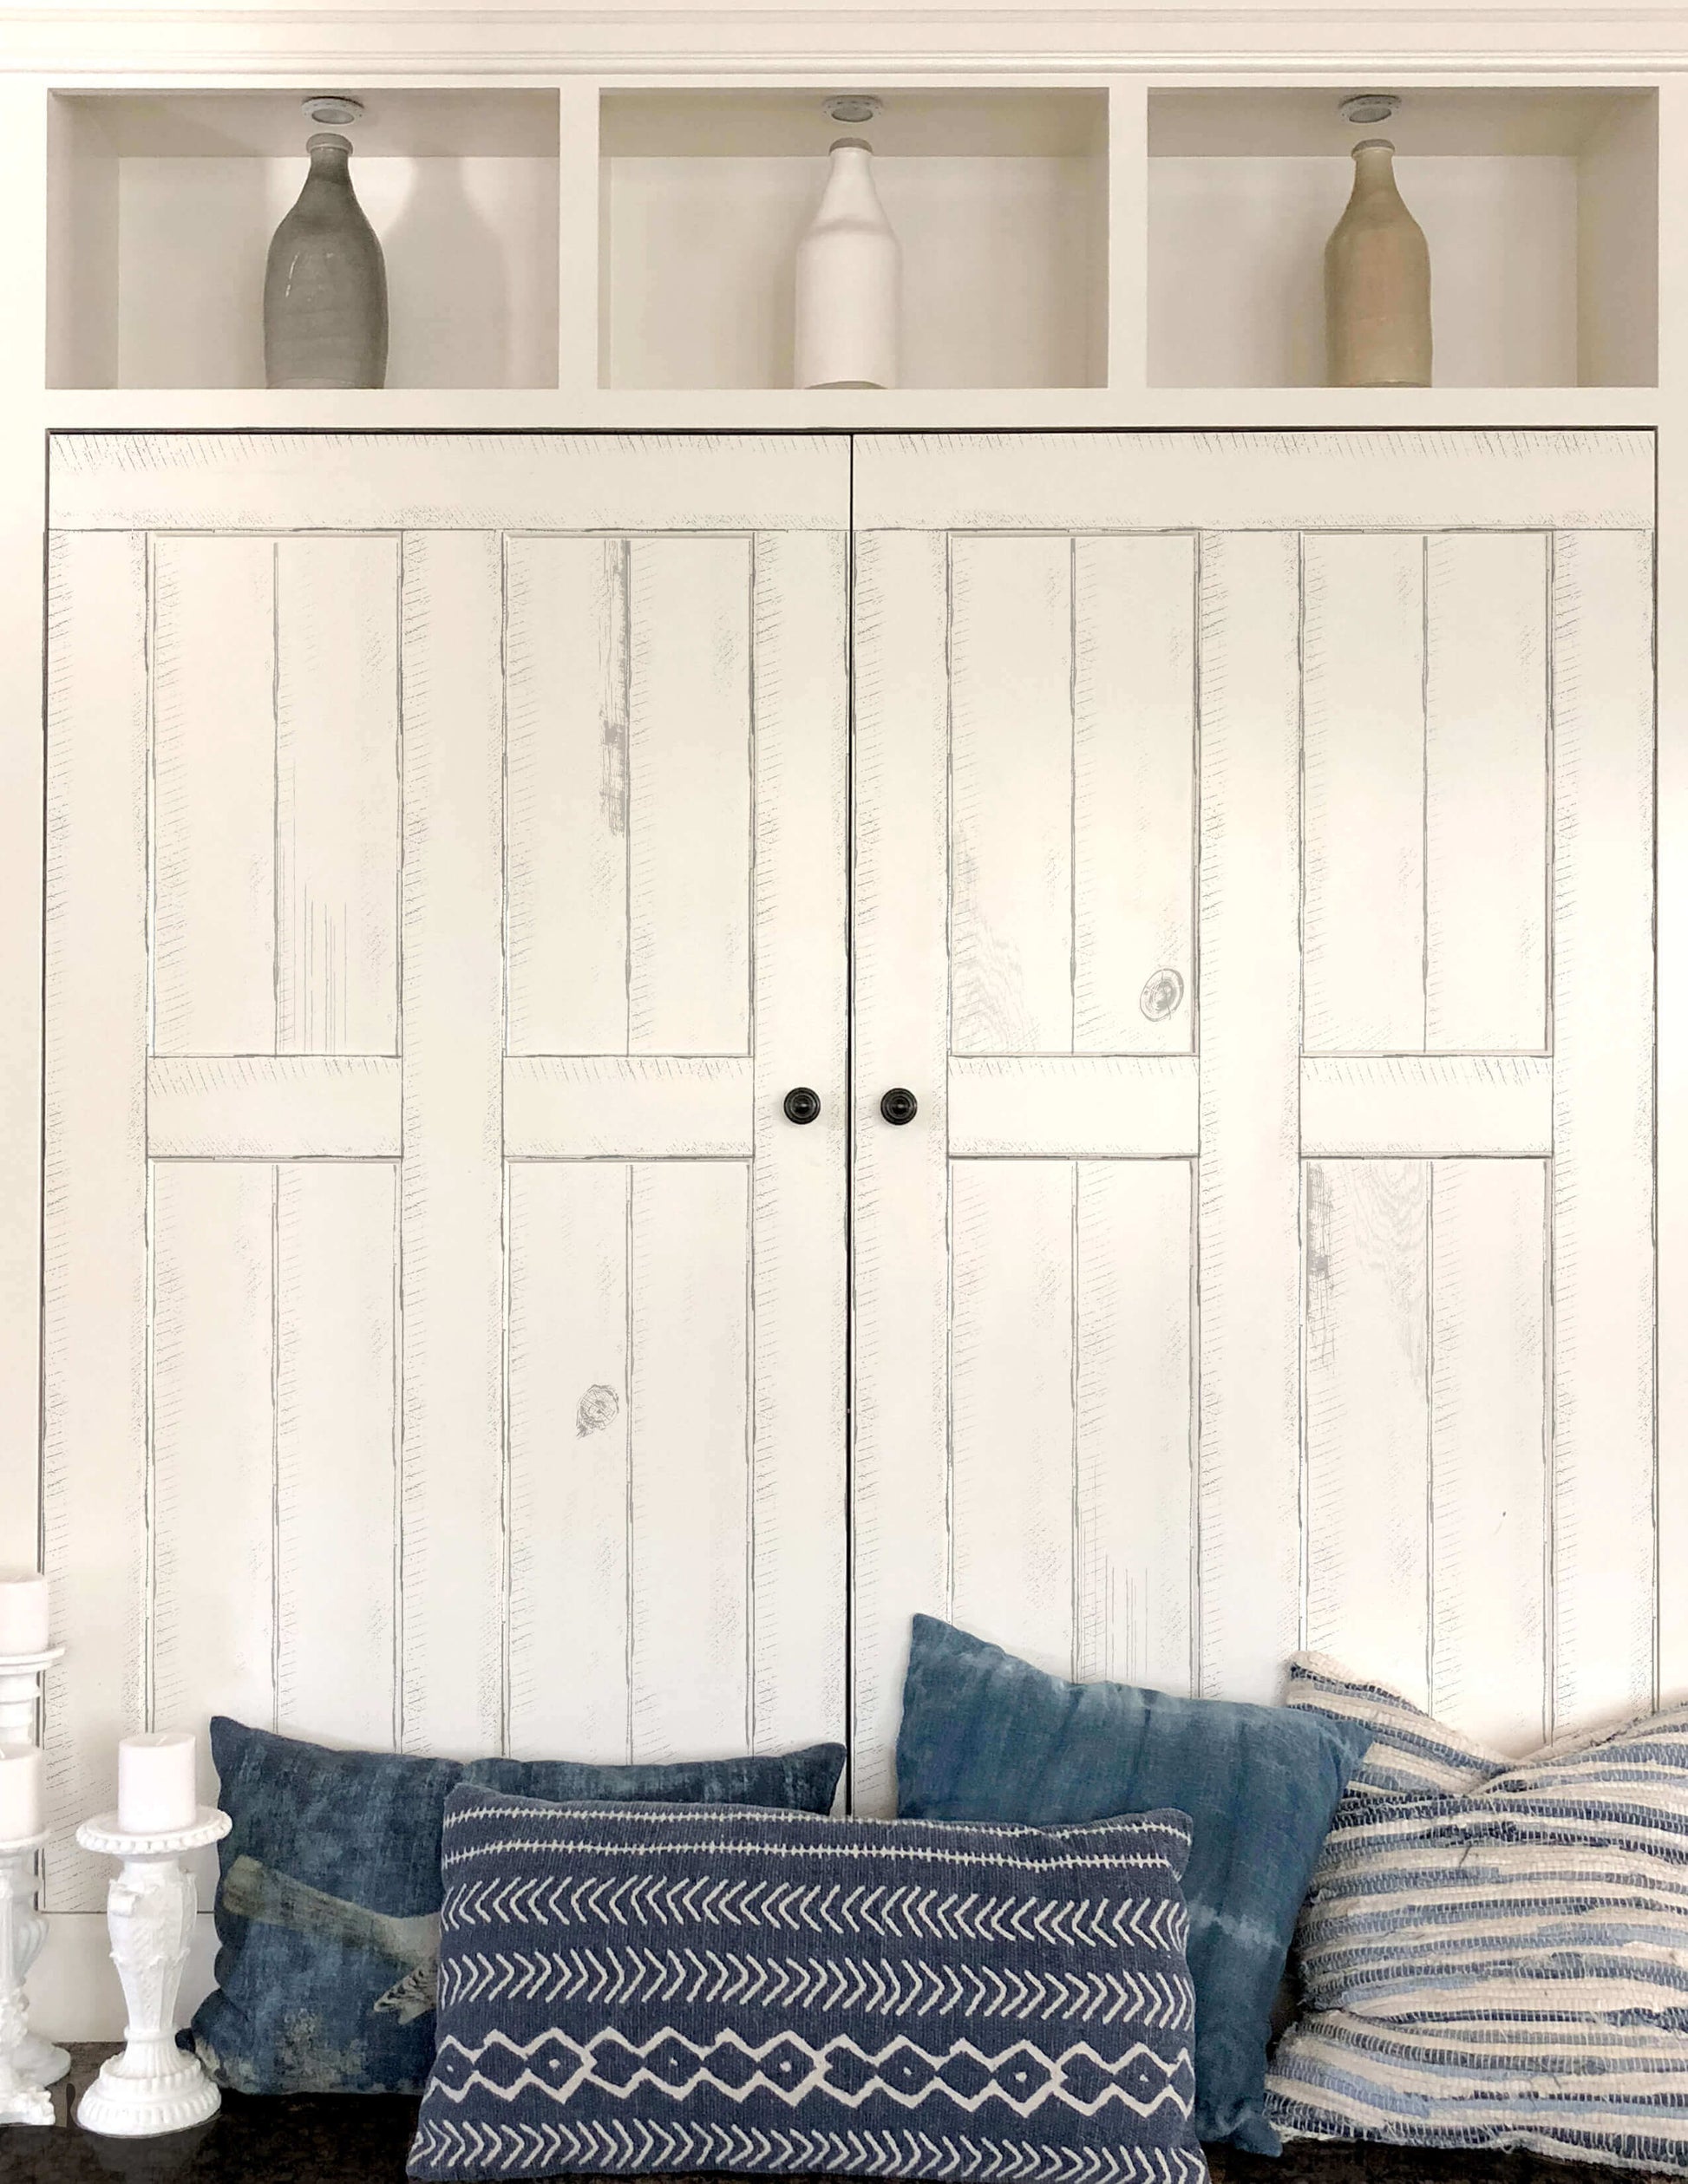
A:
(340, 2138)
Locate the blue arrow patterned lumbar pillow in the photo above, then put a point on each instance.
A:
(659, 1988)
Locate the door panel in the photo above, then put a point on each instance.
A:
(444, 1328)
(1280, 1315)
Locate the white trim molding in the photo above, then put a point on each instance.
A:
(1330, 38)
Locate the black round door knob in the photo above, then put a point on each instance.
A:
(899, 1105)
(801, 1104)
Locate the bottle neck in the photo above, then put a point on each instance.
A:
(1374, 168)
(328, 158)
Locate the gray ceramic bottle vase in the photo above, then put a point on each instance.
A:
(325, 284)
(1377, 282)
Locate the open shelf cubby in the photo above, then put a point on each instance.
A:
(161, 208)
(999, 197)
(1540, 207)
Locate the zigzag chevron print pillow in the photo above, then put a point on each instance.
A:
(650, 1988)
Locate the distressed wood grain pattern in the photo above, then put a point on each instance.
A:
(1366, 1391)
(1490, 1334)
(1420, 1104)
(1134, 794)
(690, 761)
(451, 1189)
(1604, 1465)
(1318, 480)
(337, 1451)
(899, 1519)
(1118, 1106)
(621, 483)
(570, 1419)
(1485, 794)
(1363, 798)
(693, 1575)
(798, 1274)
(96, 1515)
(336, 795)
(213, 829)
(214, 1450)
(1011, 795)
(566, 646)
(1248, 1217)
(1134, 1487)
(1012, 1429)
(274, 1107)
(640, 1107)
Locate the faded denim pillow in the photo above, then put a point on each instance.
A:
(328, 1899)
(985, 1737)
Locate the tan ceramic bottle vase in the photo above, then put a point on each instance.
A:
(325, 284)
(1377, 282)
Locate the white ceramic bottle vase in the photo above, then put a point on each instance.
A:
(325, 283)
(849, 281)
(1377, 282)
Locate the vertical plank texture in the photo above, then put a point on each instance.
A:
(691, 1459)
(337, 1450)
(451, 1207)
(336, 795)
(1248, 1221)
(213, 1446)
(899, 1516)
(1364, 796)
(569, 1416)
(1487, 1396)
(1603, 1205)
(566, 662)
(1134, 1483)
(96, 1516)
(1366, 1389)
(1486, 793)
(798, 1180)
(1012, 1343)
(1011, 790)
(689, 819)
(213, 795)
(1134, 794)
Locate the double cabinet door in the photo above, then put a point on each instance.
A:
(459, 847)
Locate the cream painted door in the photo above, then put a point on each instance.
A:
(443, 1327)
(1254, 843)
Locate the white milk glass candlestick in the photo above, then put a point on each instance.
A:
(28, 2065)
(23, 1614)
(157, 1789)
(153, 2086)
(849, 281)
(21, 1792)
(26, 1651)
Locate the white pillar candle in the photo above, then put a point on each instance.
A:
(20, 1793)
(23, 1623)
(156, 1789)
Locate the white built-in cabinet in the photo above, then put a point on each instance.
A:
(1239, 844)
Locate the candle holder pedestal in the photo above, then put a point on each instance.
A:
(153, 2086)
(20, 1688)
(28, 2065)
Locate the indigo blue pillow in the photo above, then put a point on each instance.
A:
(327, 1898)
(650, 1988)
(985, 1737)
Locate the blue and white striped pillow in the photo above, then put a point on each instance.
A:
(1411, 1755)
(1504, 1967)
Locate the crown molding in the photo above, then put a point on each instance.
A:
(533, 37)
